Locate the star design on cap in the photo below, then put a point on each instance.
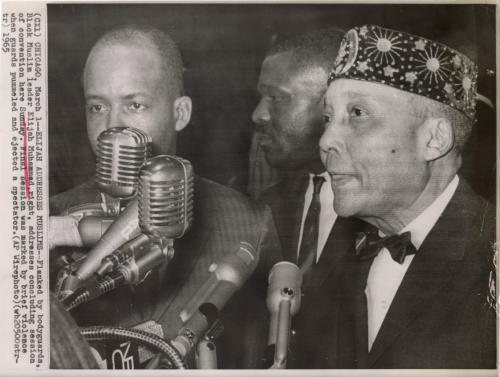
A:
(363, 31)
(363, 66)
(456, 61)
(466, 85)
(410, 77)
(448, 88)
(389, 71)
(433, 65)
(384, 47)
(411, 63)
(420, 44)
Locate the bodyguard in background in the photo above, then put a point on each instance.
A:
(292, 82)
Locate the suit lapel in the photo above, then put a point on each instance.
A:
(339, 242)
(337, 268)
(432, 268)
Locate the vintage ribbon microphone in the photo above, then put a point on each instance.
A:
(142, 235)
(121, 151)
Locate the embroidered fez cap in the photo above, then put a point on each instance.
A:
(410, 63)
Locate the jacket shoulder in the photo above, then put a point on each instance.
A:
(477, 214)
(223, 198)
(86, 192)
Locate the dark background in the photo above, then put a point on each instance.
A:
(223, 46)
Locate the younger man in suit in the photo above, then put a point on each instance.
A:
(133, 78)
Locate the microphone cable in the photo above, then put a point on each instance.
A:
(86, 293)
(142, 337)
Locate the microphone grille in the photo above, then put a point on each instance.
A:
(121, 151)
(166, 190)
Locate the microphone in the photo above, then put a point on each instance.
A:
(123, 229)
(165, 202)
(283, 302)
(161, 212)
(89, 222)
(121, 151)
(226, 277)
(166, 190)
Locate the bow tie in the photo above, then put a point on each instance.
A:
(368, 245)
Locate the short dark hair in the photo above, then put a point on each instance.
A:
(462, 125)
(313, 48)
(166, 47)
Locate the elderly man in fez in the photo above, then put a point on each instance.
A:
(133, 78)
(398, 110)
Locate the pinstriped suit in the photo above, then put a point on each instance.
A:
(222, 219)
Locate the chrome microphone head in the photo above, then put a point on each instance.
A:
(121, 151)
(165, 195)
(285, 282)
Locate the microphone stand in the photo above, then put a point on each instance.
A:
(206, 350)
(284, 323)
(283, 301)
(112, 204)
(206, 355)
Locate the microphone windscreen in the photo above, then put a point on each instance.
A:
(121, 151)
(166, 189)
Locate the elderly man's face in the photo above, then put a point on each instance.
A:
(372, 148)
(124, 87)
(289, 113)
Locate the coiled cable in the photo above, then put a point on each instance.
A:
(140, 336)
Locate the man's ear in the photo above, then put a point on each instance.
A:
(438, 137)
(182, 112)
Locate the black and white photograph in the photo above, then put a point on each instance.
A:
(272, 186)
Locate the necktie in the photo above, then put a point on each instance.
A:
(368, 245)
(309, 245)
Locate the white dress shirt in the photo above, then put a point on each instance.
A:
(385, 275)
(327, 215)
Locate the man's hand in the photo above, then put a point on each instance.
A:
(63, 231)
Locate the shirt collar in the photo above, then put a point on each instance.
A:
(421, 226)
(324, 175)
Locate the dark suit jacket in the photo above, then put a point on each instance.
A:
(439, 317)
(286, 200)
(222, 219)
(86, 193)
(68, 348)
